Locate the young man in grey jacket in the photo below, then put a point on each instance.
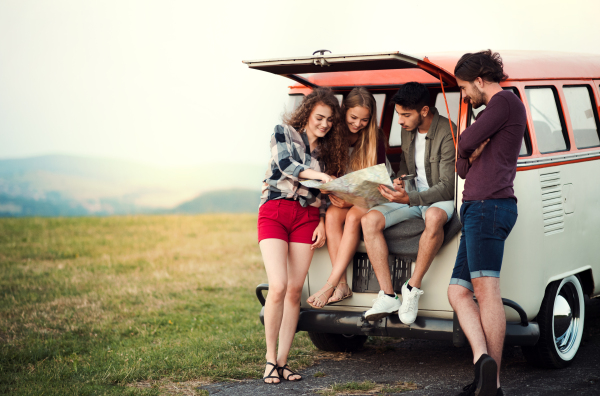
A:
(428, 152)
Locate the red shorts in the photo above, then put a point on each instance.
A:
(287, 220)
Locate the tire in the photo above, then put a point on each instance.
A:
(337, 342)
(561, 319)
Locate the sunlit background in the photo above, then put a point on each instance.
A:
(119, 107)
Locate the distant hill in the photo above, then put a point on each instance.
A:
(62, 185)
(230, 201)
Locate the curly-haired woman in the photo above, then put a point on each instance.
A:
(291, 216)
(366, 148)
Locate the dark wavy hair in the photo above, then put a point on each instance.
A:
(485, 64)
(412, 96)
(333, 148)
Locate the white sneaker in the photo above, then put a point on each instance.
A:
(383, 306)
(410, 304)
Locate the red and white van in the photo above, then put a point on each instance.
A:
(550, 264)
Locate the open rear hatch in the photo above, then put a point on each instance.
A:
(304, 69)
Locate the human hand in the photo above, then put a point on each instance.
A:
(338, 202)
(325, 178)
(319, 236)
(478, 151)
(398, 196)
(399, 183)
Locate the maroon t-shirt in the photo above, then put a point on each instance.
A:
(491, 175)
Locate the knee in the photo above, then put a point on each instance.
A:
(294, 292)
(458, 293)
(435, 220)
(371, 223)
(277, 291)
(353, 219)
(333, 217)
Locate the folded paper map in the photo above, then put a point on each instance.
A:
(358, 188)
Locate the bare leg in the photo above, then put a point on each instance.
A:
(348, 245)
(484, 325)
(429, 244)
(373, 224)
(299, 257)
(493, 318)
(334, 228)
(274, 252)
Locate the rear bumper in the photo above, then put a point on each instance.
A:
(345, 322)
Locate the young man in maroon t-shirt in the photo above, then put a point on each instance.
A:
(488, 151)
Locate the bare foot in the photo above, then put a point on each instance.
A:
(319, 299)
(284, 372)
(269, 373)
(339, 293)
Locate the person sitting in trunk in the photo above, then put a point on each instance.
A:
(342, 224)
(428, 152)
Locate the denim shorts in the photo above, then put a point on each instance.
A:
(486, 225)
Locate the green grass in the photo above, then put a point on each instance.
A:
(92, 306)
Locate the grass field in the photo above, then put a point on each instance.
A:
(90, 306)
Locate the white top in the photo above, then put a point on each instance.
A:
(420, 160)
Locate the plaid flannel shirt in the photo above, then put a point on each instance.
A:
(290, 155)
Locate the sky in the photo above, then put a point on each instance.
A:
(162, 82)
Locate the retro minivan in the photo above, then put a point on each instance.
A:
(550, 265)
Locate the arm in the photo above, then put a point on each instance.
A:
(314, 175)
(281, 152)
(464, 164)
(462, 167)
(491, 121)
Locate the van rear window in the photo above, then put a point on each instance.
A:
(548, 124)
(582, 115)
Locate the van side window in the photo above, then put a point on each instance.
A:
(453, 105)
(293, 102)
(582, 115)
(526, 143)
(380, 103)
(395, 135)
(340, 98)
(547, 121)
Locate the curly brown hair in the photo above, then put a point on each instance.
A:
(333, 148)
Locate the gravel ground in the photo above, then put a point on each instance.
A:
(439, 368)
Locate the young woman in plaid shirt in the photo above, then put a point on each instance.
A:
(291, 216)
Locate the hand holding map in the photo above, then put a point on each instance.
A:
(360, 188)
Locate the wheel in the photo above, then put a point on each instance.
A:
(561, 320)
(337, 342)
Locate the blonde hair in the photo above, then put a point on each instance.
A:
(365, 150)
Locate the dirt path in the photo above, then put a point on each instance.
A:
(439, 368)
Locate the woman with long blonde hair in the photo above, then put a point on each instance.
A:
(342, 223)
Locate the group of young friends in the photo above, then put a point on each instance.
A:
(322, 140)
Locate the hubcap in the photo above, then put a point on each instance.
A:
(567, 321)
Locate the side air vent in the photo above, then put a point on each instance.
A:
(552, 203)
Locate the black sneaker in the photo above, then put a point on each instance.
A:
(485, 379)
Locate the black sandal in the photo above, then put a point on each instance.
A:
(286, 367)
(272, 376)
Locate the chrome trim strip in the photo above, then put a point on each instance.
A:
(559, 158)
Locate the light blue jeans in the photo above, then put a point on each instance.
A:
(395, 213)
